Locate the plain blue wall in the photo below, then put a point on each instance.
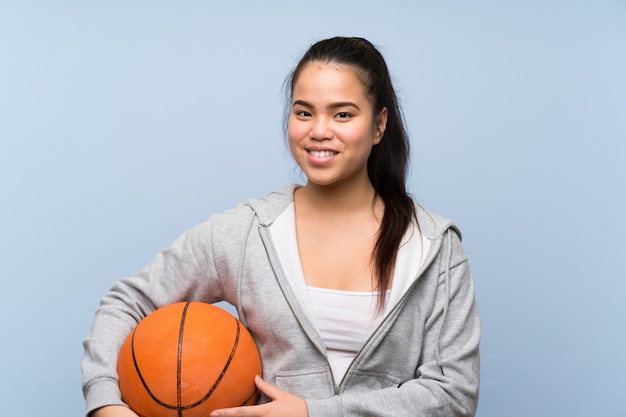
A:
(123, 123)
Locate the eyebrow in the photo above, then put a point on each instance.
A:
(332, 106)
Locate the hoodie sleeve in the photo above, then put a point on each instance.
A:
(184, 271)
(446, 379)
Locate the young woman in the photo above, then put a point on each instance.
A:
(361, 302)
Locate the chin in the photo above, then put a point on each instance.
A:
(320, 183)
(327, 182)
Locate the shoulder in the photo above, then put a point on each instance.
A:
(443, 236)
(434, 226)
(268, 208)
(262, 210)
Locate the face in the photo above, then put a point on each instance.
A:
(332, 126)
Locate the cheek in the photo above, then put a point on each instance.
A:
(292, 141)
(360, 136)
(295, 133)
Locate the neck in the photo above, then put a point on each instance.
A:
(337, 199)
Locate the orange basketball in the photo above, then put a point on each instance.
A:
(186, 360)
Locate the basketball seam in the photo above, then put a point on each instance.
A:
(179, 365)
(143, 381)
(221, 376)
(254, 392)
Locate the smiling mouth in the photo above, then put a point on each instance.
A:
(322, 154)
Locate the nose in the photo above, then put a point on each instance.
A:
(320, 129)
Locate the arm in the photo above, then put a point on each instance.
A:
(113, 411)
(185, 271)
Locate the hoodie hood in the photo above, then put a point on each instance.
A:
(267, 209)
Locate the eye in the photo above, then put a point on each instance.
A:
(343, 115)
(302, 113)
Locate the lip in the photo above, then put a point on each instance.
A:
(320, 156)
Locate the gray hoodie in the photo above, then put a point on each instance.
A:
(422, 360)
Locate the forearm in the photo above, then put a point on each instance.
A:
(113, 411)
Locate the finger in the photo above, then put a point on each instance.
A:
(245, 411)
(227, 412)
(255, 410)
(268, 389)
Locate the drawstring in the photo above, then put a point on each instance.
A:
(446, 281)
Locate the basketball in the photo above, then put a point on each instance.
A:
(186, 360)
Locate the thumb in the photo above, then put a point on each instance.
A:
(266, 388)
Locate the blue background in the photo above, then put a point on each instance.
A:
(124, 123)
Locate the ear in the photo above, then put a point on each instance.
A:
(381, 125)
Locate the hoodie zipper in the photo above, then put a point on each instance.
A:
(425, 266)
(275, 263)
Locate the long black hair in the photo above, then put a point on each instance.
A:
(388, 161)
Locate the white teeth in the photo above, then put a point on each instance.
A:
(322, 154)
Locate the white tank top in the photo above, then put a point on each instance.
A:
(345, 320)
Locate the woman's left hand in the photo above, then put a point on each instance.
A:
(282, 404)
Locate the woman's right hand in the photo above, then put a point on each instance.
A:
(113, 411)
